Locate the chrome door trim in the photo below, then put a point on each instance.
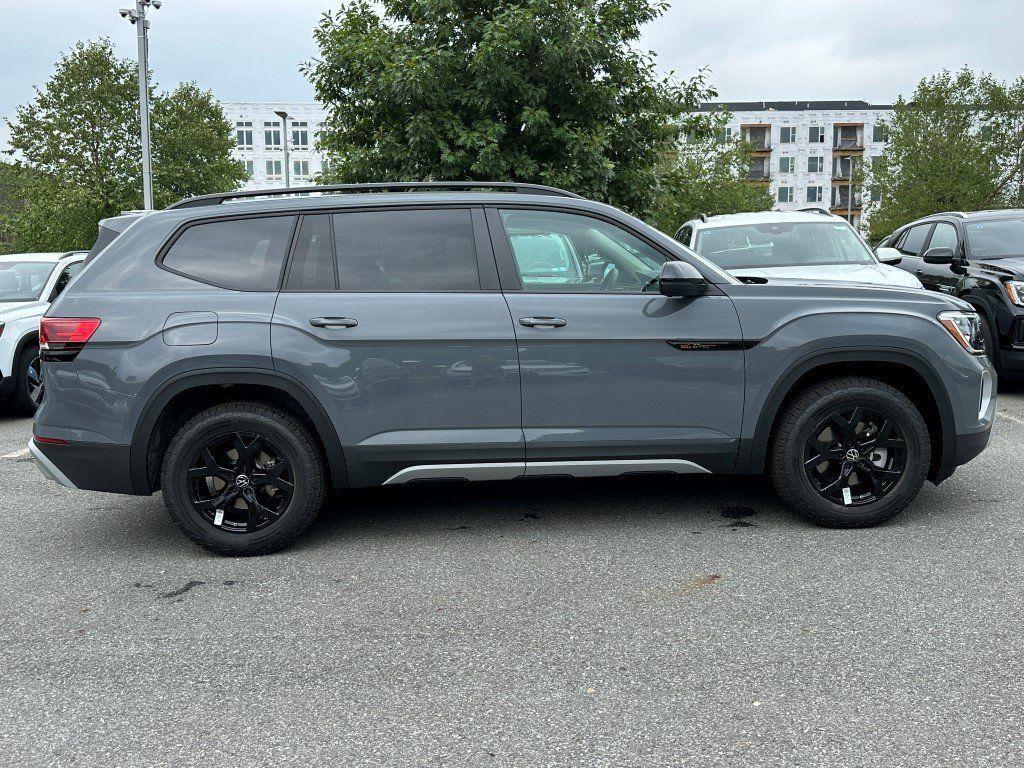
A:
(510, 470)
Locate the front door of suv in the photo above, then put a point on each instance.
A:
(406, 340)
(612, 371)
(940, 277)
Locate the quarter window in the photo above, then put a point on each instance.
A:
(406, 251)
(559, 252)
(240, 254)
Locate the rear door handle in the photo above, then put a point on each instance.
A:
(542, 322)
(333, 322)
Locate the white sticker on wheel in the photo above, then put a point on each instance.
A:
(847, 498)
(219, 517)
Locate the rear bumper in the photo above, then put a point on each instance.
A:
(85, 466)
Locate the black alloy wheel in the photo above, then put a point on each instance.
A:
(34, 381)
(240, 482)
(855, 455)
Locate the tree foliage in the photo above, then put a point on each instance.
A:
(545, 91)
(79, 152)
(957, 144)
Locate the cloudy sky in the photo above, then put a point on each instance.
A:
(250, 50)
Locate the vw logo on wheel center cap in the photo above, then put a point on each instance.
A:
(853, 455)
(242, 481)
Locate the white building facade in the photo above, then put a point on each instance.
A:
(260, 134)
(805, 151)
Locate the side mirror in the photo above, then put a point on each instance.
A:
(680, 279)
(889, 255)
(938, 256)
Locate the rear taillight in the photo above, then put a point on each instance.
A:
(62, 338)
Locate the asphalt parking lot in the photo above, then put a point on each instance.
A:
(612, 623)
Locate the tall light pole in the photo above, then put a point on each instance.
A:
(137, 16)
(284, 130)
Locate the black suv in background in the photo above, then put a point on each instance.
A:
(978, 257)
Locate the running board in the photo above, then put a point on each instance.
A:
(512, 469)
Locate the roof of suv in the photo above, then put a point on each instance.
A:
(763, 217)
(43, 257)
(996, 213)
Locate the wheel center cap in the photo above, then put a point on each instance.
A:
(242, 482)
(853, 455)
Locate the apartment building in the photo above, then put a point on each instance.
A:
(807, 151)
(260, 133)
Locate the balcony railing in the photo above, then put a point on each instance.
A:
(758, 174)
(851, 144)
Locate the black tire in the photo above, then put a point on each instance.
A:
(26, 399)
(991, 346)
(279, 433)
(797, 484)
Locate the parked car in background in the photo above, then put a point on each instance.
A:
(246, 352)
(28, 283)
(794, 245)
(978, 257)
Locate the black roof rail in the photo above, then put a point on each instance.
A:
(400, 186)
(961, 214)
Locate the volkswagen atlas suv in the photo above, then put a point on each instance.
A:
(978, 257)
(245, 353)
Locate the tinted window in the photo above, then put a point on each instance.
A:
(243, 254)
(911, 243)
(312, 267)
(995, 239)
(64, 278)
(944, 236)
(565, 252)
(415, 250)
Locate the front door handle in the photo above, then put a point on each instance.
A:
(333, 322)
(542, 322)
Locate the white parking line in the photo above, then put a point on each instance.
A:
(1008, 417)
(17, 455)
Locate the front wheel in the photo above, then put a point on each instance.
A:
(850, 452)
(243, 479)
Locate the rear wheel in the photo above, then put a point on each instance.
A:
(850, 452)
(28, 389)
(243, 479)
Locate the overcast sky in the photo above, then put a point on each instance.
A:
(250, 50)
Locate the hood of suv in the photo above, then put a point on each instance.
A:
(871, 274)
(1011, 265)
(15, 310)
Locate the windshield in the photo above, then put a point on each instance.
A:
(799, 244)
(23, 280)
(996, 239)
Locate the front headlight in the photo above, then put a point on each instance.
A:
(965, 327)
(1015, 289)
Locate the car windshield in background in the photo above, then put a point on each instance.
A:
(996, 239)
(794, 244)
(23, 280)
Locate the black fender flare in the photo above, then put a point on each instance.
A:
(256, 376)
(757, 451)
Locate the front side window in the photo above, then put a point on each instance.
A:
(797, 244)
(240, 254)
(558, 252)
(996, 239)
(788, 134)
(944, 236)
(424, 251)
(23, 280)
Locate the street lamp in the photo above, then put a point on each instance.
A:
(137, 16)
(284, 129)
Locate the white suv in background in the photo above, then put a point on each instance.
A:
(798, 245)
(28, 283)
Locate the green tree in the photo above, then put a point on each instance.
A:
(706, 174)
(545, 91)
(79, 152)
(957, 144)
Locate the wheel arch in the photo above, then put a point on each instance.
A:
(183, 396)
(905, 370)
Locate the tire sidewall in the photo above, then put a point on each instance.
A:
(22, 398)
(176, 487)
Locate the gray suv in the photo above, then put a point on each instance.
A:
(246, 353)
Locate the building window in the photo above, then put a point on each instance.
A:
(876, 195)
(785, 194)
(816, 134)
(879, 133)
(814, 194)
(787, 164)
(788, 134)
(815, 164)
(300, 169)
(272, 135)
(300, 135)
(249, 168)
(274, 172)
(321, 134)
(724, 136)
(243, 135)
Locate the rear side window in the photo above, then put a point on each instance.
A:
(312, 267)
(241, 254)
(406, 251)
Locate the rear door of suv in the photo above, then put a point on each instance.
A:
(614, 375)
(394, 318)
